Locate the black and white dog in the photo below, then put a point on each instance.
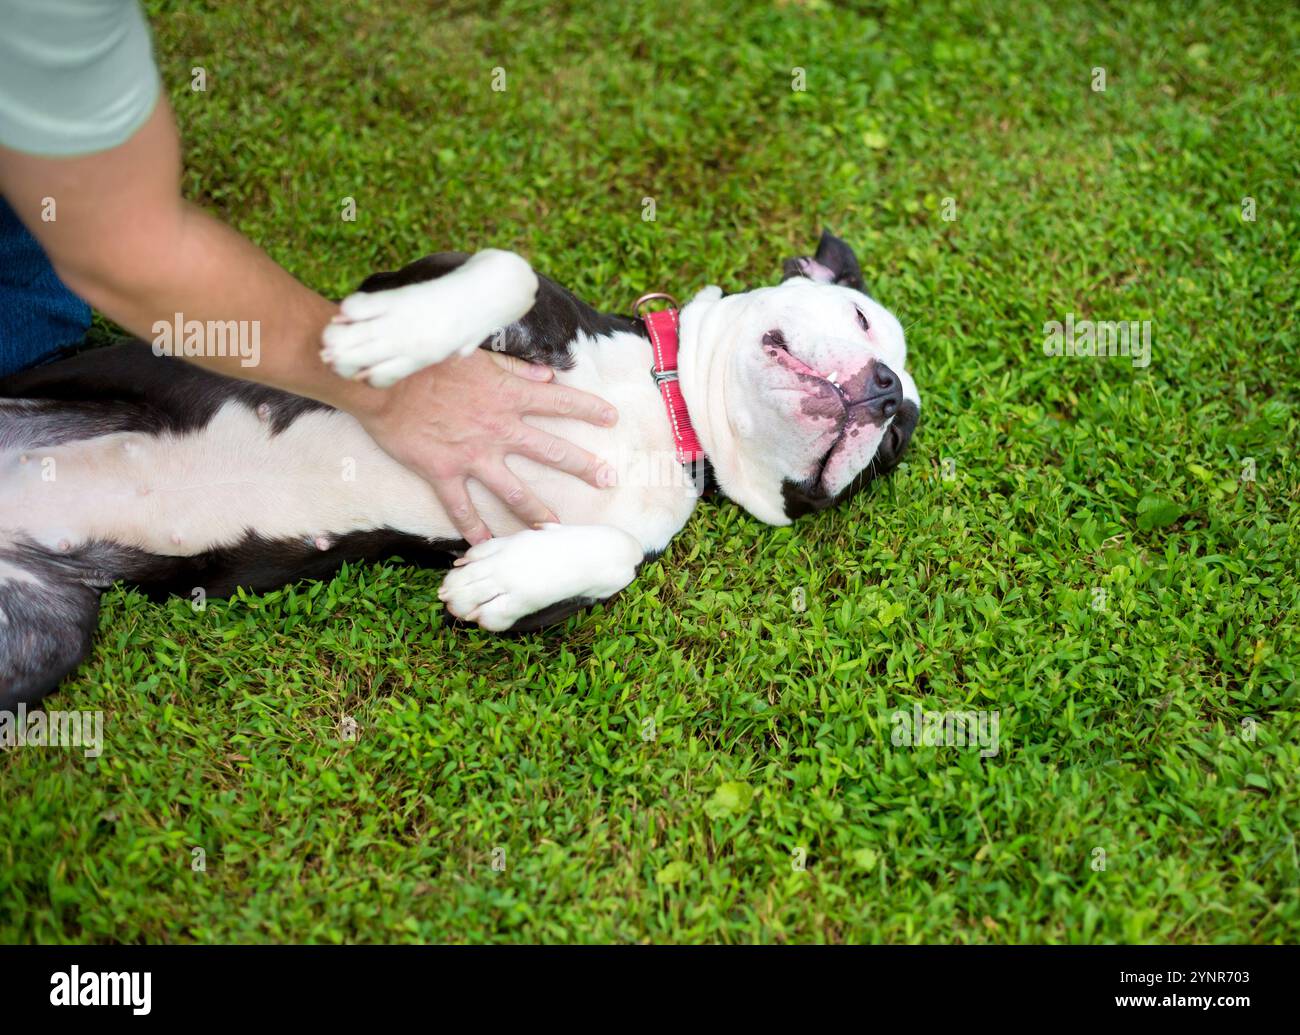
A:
(117, 464)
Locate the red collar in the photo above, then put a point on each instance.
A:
(662, 328)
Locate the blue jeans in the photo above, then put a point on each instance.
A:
(38, 315)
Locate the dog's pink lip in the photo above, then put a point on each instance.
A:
(811, 387)
(787, 360)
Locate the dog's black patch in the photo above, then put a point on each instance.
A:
(125, 387)
(258, 564)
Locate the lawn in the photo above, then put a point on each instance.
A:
(1103, 554)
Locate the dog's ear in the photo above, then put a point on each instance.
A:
(834, 263)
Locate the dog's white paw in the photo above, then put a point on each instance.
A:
(382, 336)
(503, 580)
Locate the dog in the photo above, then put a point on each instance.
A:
(120, 465)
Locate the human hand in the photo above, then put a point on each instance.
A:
(462, 418)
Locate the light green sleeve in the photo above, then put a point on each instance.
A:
(76, 76)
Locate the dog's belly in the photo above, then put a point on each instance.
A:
(180, 495)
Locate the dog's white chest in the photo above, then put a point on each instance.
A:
(654, 496)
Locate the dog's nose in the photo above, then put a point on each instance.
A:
(884, 393)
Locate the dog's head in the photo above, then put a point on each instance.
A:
(799, 393)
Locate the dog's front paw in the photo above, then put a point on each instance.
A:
(501, 581)
(383, 336)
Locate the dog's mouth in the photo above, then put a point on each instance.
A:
(779, 349)
(826, 396)
(861, 403)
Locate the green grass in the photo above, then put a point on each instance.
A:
(1121, 728)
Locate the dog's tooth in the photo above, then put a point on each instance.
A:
(264, 411)
(322, 542)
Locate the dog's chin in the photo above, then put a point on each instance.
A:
(851, 455)
(812, 417)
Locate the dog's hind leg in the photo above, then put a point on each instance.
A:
(48, 612)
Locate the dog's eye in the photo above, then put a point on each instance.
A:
(863, 322)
